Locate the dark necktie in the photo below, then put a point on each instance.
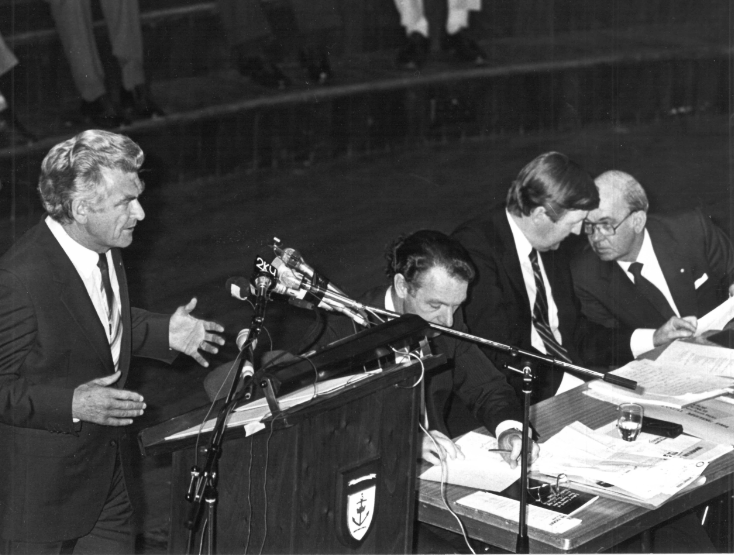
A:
(540, 314)
(650, 292)
(106, 283)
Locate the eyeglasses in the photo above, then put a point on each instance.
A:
(545, 492)
(605, 229)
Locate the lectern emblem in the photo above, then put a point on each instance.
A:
(358, 500)
(361, 505)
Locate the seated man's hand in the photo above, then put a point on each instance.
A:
(446, 448)
(675, 328)
(512, 440)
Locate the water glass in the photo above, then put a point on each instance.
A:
(629, 423)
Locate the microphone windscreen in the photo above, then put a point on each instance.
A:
(238, 287)
(285, 275)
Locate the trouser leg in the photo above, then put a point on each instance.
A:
(113, 532)
(73, 19)
(458, 16)
(123, 25)
(412, 16)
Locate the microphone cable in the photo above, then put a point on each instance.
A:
(444, 498)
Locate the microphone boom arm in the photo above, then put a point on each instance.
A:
(611, 378)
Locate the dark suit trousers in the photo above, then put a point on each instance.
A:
(246, 21)
(111, 535)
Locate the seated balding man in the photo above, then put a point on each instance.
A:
(655, 274)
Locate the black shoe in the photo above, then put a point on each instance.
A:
(317, 66)
(463, 48)
(102, 113)
(139, 104)
(263, 72)
(12, 132)
(413, 54)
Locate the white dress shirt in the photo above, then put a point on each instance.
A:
(524, 248)
(641, 340)
(85, 262)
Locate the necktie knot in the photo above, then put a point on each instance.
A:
(636, 269)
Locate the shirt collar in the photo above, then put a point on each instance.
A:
(523, 246)
(84, 259)
(645, 255)
(389, 305)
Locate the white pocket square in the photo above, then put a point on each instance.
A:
(700, 281)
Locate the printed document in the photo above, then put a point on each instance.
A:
(480, 468)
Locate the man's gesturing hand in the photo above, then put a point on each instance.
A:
(187, 334)
(96, 402)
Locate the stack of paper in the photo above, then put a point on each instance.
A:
(637, 472)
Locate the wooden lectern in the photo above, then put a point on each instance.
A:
(333, 475)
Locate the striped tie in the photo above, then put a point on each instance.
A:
(540, 314)
(112, 309)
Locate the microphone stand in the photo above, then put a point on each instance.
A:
(203, 485)
(523, 542)
(514, 351)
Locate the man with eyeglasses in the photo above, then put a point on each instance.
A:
(523, 295)
(655, 274)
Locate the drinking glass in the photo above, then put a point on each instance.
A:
(630, 420)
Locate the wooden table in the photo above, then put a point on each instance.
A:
(605, 522)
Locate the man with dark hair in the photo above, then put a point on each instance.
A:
(645, 272)
(67, 333)
(524, 295)
(429, 276)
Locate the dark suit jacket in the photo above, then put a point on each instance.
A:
(688, 246)
(56, 475)
(499, 308)
(468, 376)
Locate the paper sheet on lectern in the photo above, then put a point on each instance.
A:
(249, 416)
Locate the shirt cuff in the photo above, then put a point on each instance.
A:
(507, 425)
(641, 341)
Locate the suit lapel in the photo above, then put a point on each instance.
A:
(73, 295)
(679, 280)
(510, 259)
(637, 306)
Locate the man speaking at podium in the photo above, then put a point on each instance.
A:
(429, 276)
(67, 333)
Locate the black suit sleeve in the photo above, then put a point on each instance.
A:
(718, 250)
(44, 403)
(492, 311)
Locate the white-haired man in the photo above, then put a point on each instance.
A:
(67, 333)
(651, 273)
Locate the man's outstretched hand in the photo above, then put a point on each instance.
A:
(189, 335)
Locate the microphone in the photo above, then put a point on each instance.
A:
(293, 260)
(242, 339)
(304, 288)
(240, 288)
